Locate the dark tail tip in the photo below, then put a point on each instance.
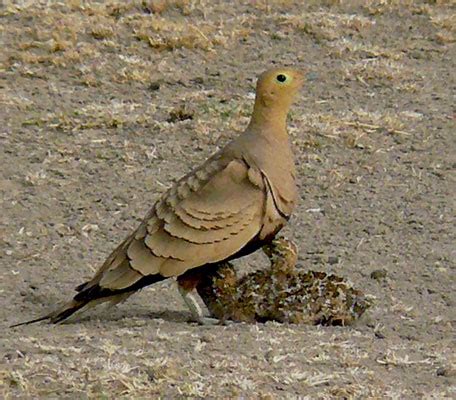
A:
(31, 322)
(58, 316)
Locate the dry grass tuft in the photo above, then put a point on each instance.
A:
(354, 127)
(352, 49)
(164, 34)
(84, 37)
(324, 26)
(446, 25)
(92, 116)
(384, 72)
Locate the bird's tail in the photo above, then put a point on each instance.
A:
(57, 316)
(92, 296)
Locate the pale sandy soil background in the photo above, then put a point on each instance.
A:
(103, 104)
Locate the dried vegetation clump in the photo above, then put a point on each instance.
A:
(324, 26)
(96, 116)
(354, 128)
(84, 37)
(163, 34)
(106, 374)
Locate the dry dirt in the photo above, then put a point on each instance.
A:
(104, 104)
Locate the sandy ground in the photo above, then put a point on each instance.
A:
(104, 104)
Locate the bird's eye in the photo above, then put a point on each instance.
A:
(281, 78)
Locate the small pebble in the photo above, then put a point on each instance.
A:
(198, 80)
(446, 371)
(333, 260)
(378, 274)
(154, 86)
(379, 335)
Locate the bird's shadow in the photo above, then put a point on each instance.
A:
(108, 313)
(131, 315)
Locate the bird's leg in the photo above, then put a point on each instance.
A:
(187, 284)
(195, 309)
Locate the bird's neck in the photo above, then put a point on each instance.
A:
(269, 120)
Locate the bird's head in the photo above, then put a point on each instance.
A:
(279, 85)
(275, 92)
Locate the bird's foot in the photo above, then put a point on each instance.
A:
(195, 309)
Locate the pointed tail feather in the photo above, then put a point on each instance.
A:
(92, 296)
(31, 321)
(57, 316)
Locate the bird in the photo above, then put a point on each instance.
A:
(281, 293)
(229, 206)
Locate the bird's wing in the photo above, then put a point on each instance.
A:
(206, 217)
